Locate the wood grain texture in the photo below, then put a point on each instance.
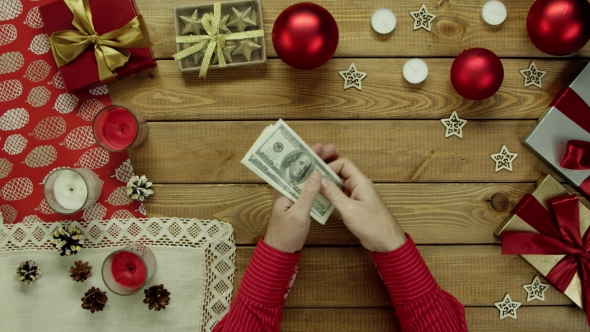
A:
(543, 319)
(431, 213)
(345, 277)
(277, 91)
(387, 151)
(457, 26)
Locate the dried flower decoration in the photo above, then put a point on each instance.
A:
(28, 272)
(139, 188)
(94, 300)
(156, 297)
(68, 241)
(80, 271)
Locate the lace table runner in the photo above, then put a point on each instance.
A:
(195, 262)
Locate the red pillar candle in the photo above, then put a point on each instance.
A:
(128, 270)
(117, 128)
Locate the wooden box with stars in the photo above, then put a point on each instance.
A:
(562, 135)
(236, 16)
(546, 190)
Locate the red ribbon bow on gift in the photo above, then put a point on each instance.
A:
(559, 234)
(577, 153)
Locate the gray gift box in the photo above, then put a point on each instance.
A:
(258, 57)
(561, 123)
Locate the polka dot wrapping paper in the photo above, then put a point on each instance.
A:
(43, 127)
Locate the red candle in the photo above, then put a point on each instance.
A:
(128, 270)
(119, 129)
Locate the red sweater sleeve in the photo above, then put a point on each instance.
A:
(259, 303)
(420, 304)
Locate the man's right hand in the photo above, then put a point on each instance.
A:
(362, 209)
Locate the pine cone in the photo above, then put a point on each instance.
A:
(94, 300)
(139, 188)
(28, 272)
(80, 271)
(68, 241)
(157, 297)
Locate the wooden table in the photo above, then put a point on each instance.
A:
(439, 189)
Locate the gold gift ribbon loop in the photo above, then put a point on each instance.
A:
(109, 48)
(213, 41)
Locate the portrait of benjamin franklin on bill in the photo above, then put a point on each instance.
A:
(297, 166)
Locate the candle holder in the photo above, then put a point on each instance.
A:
(128, 270)
(69, 190)
(117, 128)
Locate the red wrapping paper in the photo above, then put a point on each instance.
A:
(107, 15)
(42, 127)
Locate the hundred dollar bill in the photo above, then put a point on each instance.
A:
(281, 158)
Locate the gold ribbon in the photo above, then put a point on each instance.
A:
(109, 48)
(213, 41)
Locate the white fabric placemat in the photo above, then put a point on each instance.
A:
(195, 262)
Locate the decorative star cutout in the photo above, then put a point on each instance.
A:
(352, 77)
(245, 47)
(241, 20)
(198, 56)
(503, 159)
(533, 76)
(507, 307)
(227, 49)
(192, 24)
(223, 24)
(422, 19)
(535, 290)
(454, 125)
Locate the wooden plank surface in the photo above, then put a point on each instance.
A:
(432, 213)
(345, 277)
(538, 319)
(458, 26)
(387, 151)
(249, 93)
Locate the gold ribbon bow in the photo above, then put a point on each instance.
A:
(213, 41)
(109, 48)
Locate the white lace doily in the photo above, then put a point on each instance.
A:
(211, 239)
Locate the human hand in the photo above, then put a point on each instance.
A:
(362, 209)
(289, 222)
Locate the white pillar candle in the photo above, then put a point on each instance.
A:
(383, 21)
(415, 71)
(493, 12)
(70, 190)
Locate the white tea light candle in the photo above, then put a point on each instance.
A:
(383, 21)
(493, 12)
(70, 190)
(415, 71)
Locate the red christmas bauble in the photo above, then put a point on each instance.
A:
(305, 35)
(559, 27)
(477, 73)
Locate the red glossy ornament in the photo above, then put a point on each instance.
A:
(559, 27)
(477, 73)
(305, 35)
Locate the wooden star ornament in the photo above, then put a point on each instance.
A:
(241, 20)
(503, 159)
(352, 77)
(535, 290)
(246, 47)
(192, 24)
(533, 76)
(422, 19)
(507, 307)
(454, 125)
(227, 49)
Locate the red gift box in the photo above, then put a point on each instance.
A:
(107, 15)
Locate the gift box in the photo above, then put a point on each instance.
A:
(107, 16)
(548, 228)
(561, 135)
(231, 35)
